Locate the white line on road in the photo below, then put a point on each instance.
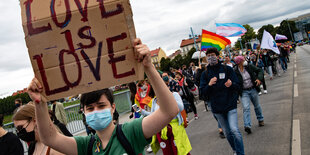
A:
(295, 66)
(296, 148)
(295, 90)
(295, 74)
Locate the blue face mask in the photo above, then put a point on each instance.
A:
(166, 78)
(99, 120)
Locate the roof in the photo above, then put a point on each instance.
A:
(155, 52)
(186, 42)
(175, 54)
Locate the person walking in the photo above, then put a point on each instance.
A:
(59, 111)
(267, 63)
(220, 84)
(187, 96)
(25, 122)
(250, 77)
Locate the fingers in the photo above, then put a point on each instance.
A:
(137, 41)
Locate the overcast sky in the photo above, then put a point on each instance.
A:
(159, 23)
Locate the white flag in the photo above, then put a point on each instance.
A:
(269, 43)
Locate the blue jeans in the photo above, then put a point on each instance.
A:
(247, 97)
(283, 62)
(208, 104)
(229, 123)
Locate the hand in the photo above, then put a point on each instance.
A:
(142, 53)
(228, 83)
(212, 81)
(257, 82)
(34, 90)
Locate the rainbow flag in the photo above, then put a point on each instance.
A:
(210, 39)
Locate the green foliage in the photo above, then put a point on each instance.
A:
(177, 62)
(269, 28)
(248, 36)
(284, 29)
(165, 64)
(7, 104)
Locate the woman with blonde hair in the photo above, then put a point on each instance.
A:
(26, 128)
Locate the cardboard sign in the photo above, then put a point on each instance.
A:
(78, 46)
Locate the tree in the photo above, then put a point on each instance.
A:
(269, 28)
(284, 29)
(177, 62)
(248, 36)
(188, 57)
(165, 64)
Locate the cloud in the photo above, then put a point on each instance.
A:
(159, 23)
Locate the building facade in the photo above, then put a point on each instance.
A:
(303, 24)
(188, 44)
(156, 56)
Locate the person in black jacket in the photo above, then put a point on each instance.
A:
(185, 86)
(250, 77)
(9, 143)
(221, 85)
(267, 63)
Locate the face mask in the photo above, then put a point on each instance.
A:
(265, 53)
(245, 63)
(212, 60)
(99, 120)
(166, 78)
(26, 136)
(17, 105)
(253, 58)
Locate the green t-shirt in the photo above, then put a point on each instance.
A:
(133, 132)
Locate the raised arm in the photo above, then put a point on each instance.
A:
(47, 132)
(168, 108)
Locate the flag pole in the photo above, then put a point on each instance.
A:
(194, 37)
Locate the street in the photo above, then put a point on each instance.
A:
(287, 101)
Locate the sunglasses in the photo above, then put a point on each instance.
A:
(21, 127)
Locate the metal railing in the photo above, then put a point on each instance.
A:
(75, 120)
(75, 123)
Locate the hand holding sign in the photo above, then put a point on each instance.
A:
(142, 53)
(81, 46)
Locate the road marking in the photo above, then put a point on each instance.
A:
(296, 148)
(295, 65)
(295, 74)
(295, 90)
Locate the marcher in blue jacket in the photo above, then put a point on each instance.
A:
(221, 85)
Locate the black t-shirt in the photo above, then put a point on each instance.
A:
(10, 144)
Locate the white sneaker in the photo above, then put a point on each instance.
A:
(265, 92)
(149, 150)
(260, 93)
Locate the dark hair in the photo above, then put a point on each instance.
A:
(1, 120)
(92, 97)
(212, 50)
(19, 100)
(179, 74)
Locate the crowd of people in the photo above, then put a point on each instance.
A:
(160, 107)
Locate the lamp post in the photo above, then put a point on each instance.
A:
(289, 29)
(240, 43)
(194, 37)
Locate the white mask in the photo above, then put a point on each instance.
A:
(245, 63)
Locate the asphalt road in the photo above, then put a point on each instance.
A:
(280, 109)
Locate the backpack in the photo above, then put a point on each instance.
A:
(120, 136)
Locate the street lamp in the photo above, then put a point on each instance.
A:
(289, 29)
(239, 39)
(196, 47)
